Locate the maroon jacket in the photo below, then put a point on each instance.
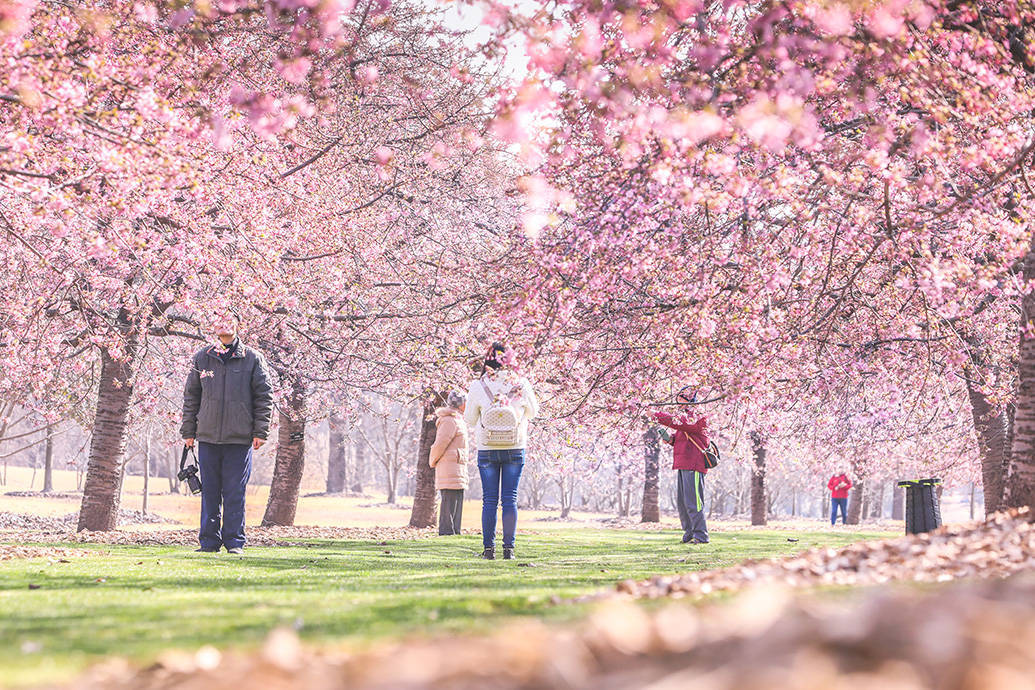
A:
(833, 483)
(685, 455)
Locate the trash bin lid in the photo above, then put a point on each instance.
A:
(919, 482)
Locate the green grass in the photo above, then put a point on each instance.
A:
(138, 601)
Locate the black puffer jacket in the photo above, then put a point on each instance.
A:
(227, 403)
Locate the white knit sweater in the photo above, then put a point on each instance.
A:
(520, 392)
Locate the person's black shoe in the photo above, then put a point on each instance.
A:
(235, 550)
(697, 541)
(489, 554)
(508, 554)
(687, 538)
(204, 550)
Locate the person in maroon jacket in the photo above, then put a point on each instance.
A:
(688, 444)
(839, 485)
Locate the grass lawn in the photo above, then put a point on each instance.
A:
(138, 601)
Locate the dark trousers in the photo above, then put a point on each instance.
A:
(500, 472)
(225, 469)
(835, 505)
(450, 512)
(690, 502)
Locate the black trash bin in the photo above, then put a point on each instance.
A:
(923, 513)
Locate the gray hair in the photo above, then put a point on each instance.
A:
(455, 399)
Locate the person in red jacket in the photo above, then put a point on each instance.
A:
(839, 485)
(688, 444)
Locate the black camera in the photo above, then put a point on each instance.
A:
(189, 474)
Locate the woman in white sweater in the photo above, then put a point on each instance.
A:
(499, 406)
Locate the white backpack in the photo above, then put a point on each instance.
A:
(499, 422)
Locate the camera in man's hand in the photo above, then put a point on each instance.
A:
(190, 475)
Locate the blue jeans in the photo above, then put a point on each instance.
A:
(500, 471)
(225, 469)
(836, 503)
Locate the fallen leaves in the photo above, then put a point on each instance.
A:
(970, 636)
(256, 536)
(1001, 546)
(67, 523)
(53, 553)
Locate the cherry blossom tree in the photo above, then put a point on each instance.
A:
(307, 165)
(770, 197)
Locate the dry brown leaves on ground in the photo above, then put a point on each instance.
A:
(1002, 545)
(971, 636)
(11, 551)
(24, 521)
(257, 536)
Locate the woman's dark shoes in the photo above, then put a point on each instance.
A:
(508, 554)
(235, 549)
(489, 554)
(687, 538)
(204, 550)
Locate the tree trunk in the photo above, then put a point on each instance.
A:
(337, 458)
(651, 512)
(855, 502)
(1011, 414)
(147, 470)
(875, 501)
(423, 513)
(991, 427)
(4, 423)
(1019, 489)
(359, 464)
(172, 464)
(290, 461)
(566, 499)
(104, 469)
(619, 503)
(393, 484)
(759, 504)
(898, 504)
(48, 462)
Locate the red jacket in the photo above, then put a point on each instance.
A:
(838, 479)
(685, 455)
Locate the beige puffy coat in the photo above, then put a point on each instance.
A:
(449, 452)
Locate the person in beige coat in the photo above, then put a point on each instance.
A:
(449, 458)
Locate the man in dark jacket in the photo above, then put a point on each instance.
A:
(688, 444)
(227, 404)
